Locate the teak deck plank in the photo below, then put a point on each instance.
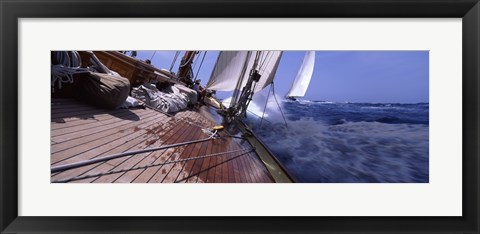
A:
(225, 168)
(175, 169)
(81, 132)
(206, 149)
(106, 120)
(218, 176)
(198, 150)
(250, 169)
(158, 174)
(108, 124)
(235, 177)
(215, 147)
(202, 176)
(197, 164)
(90, 135)
(167, 139)
(221, 161)
(149, 159)
(235, 166)
(245, 169)
(100, 144)
(117, 146)
(98, 118)
(231, 176)
(238, 166)
(131, 161)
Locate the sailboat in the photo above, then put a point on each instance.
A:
(142, 144)
(302, 79)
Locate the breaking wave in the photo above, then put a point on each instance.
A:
(349, 142)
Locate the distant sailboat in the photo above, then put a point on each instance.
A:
(304, 75)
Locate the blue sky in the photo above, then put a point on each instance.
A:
(339, 76)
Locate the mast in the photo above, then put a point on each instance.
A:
(244, 73)
(240, 107)
(185, 72)
(238, 86)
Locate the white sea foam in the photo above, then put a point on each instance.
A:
(351, 152)
(346, 151)
(257, 105)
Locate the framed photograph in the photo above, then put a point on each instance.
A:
(224, 116)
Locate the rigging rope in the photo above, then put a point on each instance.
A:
(267, 57)
(152, 165)
(124, 154)
(265, 108)
(174, 60)
(195, 62)
(151, 58)
(273, 88)
(200, 65)
(106, 158)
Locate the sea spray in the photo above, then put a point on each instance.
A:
(349, 142)
(257, 105)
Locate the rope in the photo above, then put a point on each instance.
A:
(195, 62)
(174, 60)
(106, 158)
(188, 61)
(265, 108)
(267, 57)
(200, 65)
(273, 88)
(151, 165)
(151, 58)
(124, 154)
(69, 63)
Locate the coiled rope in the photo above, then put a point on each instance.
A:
(188, 60)
(69, 63)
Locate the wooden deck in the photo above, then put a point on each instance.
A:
(81, 132)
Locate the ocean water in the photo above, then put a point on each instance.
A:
(326, 142)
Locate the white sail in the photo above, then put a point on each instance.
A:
(304, 75)
(227, 70)
(232, 69)
(267, 67)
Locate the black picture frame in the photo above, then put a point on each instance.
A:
(11, 11)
